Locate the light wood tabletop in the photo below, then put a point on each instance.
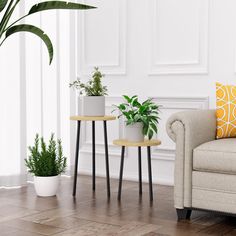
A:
(93, 118)
(145, 143)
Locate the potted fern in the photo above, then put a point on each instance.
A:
(93, 103)
(46, 163)
(141, 119)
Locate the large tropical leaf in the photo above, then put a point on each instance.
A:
(48, 5)
(34, 30)
(3, 3)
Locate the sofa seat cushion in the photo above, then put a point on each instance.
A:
(218, 156)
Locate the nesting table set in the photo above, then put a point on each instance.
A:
(120, 142)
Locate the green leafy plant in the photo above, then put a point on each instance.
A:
(147, 113)
(8, 28)
(93, 87)
(46, 160)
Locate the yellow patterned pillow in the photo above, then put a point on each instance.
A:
(225, 111)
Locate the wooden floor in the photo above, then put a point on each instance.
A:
(24, 214)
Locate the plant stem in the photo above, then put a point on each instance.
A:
(7, 18)
(4, 17)
(15, 22)
(2, 42)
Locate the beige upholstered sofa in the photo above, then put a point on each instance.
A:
(205, 168)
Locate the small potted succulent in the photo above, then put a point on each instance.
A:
(93, 103)
(141, 119)
(46, 163)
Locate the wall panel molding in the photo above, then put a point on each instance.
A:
(163, 156)
(170, 105)
(116, 65)
(196, 65)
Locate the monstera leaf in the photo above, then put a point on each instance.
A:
(9, 29)
(34, 30)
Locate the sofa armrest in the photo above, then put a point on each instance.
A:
(188, 130)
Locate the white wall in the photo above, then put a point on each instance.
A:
(171, 50)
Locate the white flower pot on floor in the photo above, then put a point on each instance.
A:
(134, 133)
(46, 186)
(93, 106)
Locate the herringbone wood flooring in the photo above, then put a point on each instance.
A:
(24, 214)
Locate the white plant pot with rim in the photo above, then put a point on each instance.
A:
(93, 106)
(134, 132)
(46, 186)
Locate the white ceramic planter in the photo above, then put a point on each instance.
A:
(93, 106)
(134, 133)
(46, 186)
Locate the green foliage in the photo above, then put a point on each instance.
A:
(93, 87)
(34, 30)
(7, 29)
(147, 113)
(3, 3)
(46, 161)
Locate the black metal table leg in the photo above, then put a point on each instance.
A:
(150, 172)
(76, 157)
(93, 154)
(121, 171)
(140, 170)
(107, 159)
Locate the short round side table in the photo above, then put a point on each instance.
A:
(147, 143)
(93, 119)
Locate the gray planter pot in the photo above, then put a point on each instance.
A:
(134, 133)
(92, 106)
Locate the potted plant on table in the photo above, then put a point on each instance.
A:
(141, 119)
(93, 103)
(46, 163)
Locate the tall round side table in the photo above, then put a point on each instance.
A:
(147, 143)
(93, 119)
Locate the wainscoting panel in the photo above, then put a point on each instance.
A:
(162, 157)
(185, 21)
(169, 106)
(102, 38)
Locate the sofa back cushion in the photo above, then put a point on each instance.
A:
(225, 111)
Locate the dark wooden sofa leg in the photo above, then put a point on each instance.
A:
(183, 214)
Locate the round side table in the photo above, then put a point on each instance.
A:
(147, 143)
(93, 119)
